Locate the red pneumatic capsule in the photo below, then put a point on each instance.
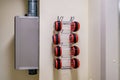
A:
(58, 63)
(58, 25)
(56, 38)
(75, 63)
(75, 50)
(58, 51)
(75, 26)
(73, 38)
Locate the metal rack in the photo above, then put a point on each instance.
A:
(64, 44)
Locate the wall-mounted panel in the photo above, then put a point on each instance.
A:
(26, 42)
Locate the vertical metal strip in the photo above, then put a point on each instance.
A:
(119, 33)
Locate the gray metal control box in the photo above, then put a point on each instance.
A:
(26, 42)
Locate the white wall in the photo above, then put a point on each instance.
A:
(103, 40)
(112, 40)
(9, 9)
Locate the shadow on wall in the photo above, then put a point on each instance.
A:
(57, 75)
(74, 74)
(70, 75)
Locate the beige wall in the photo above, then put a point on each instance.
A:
(49, 10)
(9, 9)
